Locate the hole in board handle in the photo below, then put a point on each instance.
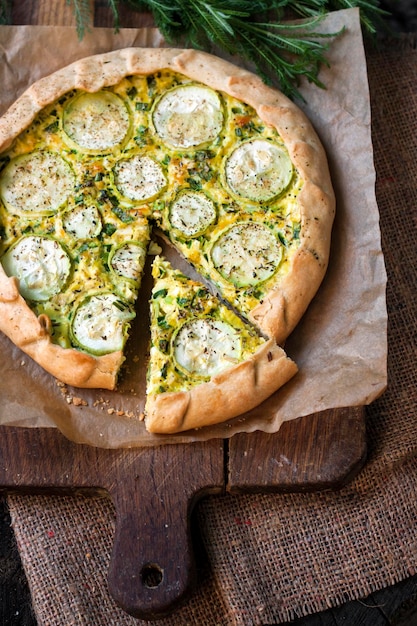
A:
(151, 575)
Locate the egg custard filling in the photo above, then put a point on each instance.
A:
(226, 169)
(193, 335)
(80, 188)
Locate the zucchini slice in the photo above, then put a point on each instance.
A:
(101, 323)
(128, 261)
(83, 222)
(258, 170)
(246, 254)
(205, 347)
(191, 213)
(96, 122)
(38, 182)
(139, 178)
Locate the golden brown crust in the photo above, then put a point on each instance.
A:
(230, 393)
(283, 307)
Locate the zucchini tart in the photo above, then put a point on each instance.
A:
(228, 170)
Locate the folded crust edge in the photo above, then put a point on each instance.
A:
(228, 394)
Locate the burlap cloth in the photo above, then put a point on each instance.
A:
(270, 558)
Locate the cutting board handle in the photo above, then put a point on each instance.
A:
(152, 566)
(154, 490)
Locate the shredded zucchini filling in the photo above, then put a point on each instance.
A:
(194, 336)
(81, 187)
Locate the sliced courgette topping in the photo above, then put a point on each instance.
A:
(205, 347)
(39, 182)
(41, 264)
(188, 116)
(96, 122)
(192, 212)
(139, 178)
(83, 222)
(258, 170)
(101, 323)
(246, 254)
(128, 261)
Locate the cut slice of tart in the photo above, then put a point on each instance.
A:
(69, 303)
(206, 364)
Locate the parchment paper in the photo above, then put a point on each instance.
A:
(340, 345)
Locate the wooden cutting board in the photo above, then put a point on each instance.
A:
(155, 489)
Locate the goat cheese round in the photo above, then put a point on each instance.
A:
(258, 170)
(41, 265)
(83, 222)
(139, 178)
(246, 254)
(100, 324)
(188, 116)
(128, 261)
(205, 347)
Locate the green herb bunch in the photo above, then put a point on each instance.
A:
(259, 31)
(253, 30)
(280, 50)
(5, 11)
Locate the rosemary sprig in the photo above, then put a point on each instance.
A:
(82, 13)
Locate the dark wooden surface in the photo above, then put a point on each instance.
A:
(296, 460)
(153, 490)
